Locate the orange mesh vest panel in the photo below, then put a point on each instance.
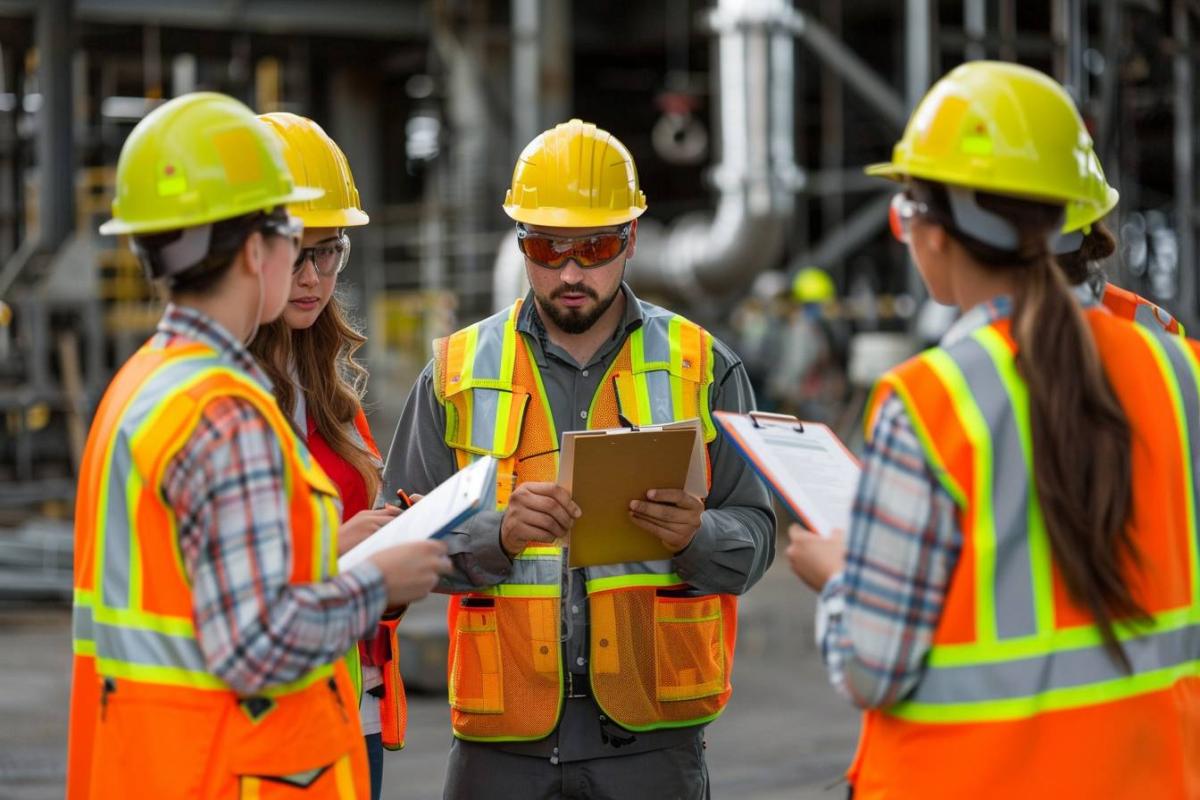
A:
(1019, 697)
(657, 659)
(148, 720)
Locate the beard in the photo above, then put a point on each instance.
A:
(574, 320)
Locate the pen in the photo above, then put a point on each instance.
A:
(405, 503)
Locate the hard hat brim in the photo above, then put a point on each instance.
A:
(573, 217)
(331, 218)
(117, 226)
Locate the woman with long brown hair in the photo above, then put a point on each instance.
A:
(1017, 603)
(308, 353)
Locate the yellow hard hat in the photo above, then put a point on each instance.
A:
(316, 160)
(200, 158)
(1006, 129)
(575, 175)
(813, 285)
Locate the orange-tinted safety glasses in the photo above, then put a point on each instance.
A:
(589, 252)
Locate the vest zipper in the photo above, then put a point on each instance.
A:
(332, 684)
(108, 688)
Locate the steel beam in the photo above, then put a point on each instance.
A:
(55, 142)
(1185, 160)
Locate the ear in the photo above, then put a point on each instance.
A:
(632, 246)
(253, 253)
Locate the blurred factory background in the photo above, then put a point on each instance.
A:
(749, 120)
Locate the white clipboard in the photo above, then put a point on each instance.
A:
(805, 464)
(462, 496)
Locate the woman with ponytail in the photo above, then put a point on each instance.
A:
(308, 353)
(1017, 602)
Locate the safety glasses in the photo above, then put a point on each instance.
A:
(901, 213)
(589, 252)
(327, 257)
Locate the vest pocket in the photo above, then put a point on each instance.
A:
(689, 653)
(333, 781)
(476, 684)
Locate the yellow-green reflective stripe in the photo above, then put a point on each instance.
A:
(508, 347)
(676, 345)
(948, 481)
(158, 673)
(1051, 700)
(144, 620)
(626, 581)
(175, 676)
(642, 393)
(637, 356)
(983, 535)
(133, 488)
(467, 373)
(522, 590)
(503, 410)
(83, 647)
(961, 655)
(537, 552)
(1189, 475)
(1040, 569)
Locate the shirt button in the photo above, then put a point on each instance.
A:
(583, 415)
(574, 609)
(581, 661)
(584, 373)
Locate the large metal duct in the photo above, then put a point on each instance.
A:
(702, 255)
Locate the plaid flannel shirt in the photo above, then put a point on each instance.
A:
(876, 618)
(226, 487)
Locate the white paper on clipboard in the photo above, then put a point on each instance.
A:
(463, 495)
(804, 463)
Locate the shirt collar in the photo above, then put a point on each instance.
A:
(191, 323)
(978, 317)
(1001, 307)
(530, 323)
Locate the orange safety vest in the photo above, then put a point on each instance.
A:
(1018, 697)
(661, 657)
(148, 719)
(1127, 305)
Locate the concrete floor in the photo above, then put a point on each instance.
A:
(785, 733)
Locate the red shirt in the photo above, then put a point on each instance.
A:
(349, 482)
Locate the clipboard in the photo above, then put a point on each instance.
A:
(804, 463)
(463, 495)
(604, 470)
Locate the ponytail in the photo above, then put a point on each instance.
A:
(1081, 438)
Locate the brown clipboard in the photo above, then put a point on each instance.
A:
(606, 470)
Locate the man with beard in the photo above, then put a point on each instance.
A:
(593, 682)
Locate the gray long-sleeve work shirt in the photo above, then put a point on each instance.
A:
(730, 552)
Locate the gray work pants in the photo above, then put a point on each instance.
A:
(485, 772)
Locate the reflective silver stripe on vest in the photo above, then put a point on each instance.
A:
(82, 623)
(484, 406)
(656, 333)
(114, 560)
(489, 349)
(1151, 317)
(662, 567)
(148, 648)
(1185, 379)
(538, 570)
(1014, 591)
(1062, 669)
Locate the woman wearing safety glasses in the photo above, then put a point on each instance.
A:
(1016, 604)
(309, 354)
(210, 619)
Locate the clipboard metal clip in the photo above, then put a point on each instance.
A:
(785, 419)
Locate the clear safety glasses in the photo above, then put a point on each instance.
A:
(328, 257)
